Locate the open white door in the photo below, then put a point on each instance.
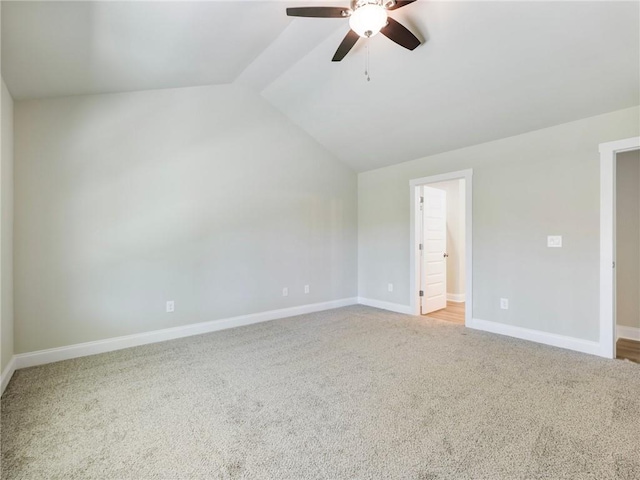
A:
(433, 281)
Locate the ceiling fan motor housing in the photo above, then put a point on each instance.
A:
(383, 3)
(368, 17)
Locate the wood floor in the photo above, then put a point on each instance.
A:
(453, 313)
(628, 349)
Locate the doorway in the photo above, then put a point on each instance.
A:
(627, 256)
(614, 223)
(441, 248)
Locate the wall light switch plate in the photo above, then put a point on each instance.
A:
(285, 292)
(390, 287)
(171, 306)
(504, 303)
(554, 241)
(306, 289)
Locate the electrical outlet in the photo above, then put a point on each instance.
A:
(390, 287)
(171, 306)
(504, 303)
(306, 289)
(285, 292)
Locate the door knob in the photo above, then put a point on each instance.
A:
(445, 255)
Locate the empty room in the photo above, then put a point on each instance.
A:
(310, 239)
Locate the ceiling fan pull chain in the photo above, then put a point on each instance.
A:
(367, 65)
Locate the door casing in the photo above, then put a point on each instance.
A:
(608, 153)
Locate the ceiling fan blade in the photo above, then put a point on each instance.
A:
(400, 4)
(347, 44)
(399, 34)
(318, 12)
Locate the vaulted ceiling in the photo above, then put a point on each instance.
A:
(486, 70)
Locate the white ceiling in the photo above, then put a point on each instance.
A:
(69, 48)
(487, 70)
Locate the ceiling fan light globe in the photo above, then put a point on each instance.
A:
(368, 20)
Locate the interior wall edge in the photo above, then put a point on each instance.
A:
(7, 373)
(7, 328)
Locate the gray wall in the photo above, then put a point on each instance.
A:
(524, 188)
(207, 196)
(6, 229)
(628, 239)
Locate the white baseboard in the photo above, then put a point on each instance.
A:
(632, 333)
(41, 357)
(392, 307)
(456, 297)
(562, 341)
(7, 373)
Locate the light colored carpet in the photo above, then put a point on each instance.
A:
(349, 393)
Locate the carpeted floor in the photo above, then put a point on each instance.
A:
(352, 393)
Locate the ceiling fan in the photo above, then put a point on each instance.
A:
(366, 19)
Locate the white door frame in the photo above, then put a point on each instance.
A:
(608, 153)
(414, 238)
